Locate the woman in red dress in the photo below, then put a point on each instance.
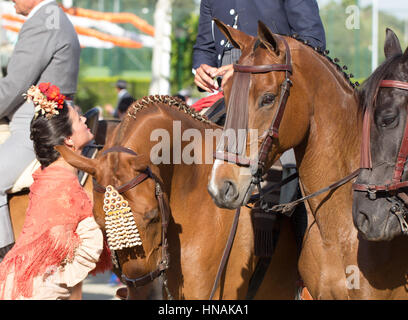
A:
(60, 243)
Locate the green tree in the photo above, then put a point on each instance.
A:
(85, 97)
(353, 46)
(183, 39)
(346, 3)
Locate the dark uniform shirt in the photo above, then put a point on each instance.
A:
(286, 17)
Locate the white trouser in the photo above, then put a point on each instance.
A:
(16, 153)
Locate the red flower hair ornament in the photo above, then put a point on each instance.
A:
(46, 98)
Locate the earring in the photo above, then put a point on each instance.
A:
(73, 146)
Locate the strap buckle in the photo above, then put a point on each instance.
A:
(372, 194)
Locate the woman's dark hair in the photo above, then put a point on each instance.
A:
(48, 133)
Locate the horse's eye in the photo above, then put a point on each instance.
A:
(387, 120)
(152, 216)
(387, 117)
(266, 100)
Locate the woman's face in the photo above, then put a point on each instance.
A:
(81, 135)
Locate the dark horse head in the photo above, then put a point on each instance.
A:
(379, 207)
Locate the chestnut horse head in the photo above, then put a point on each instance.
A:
(380, 203)
(270, 67)
(127, 164)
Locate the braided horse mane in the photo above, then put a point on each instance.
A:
(170, 101)
(335, 61)
(149, 101)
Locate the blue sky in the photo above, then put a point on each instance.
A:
(396, 7)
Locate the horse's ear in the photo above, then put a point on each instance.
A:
(269, 40)
(80, 162)
(237, 38)
(392, 44)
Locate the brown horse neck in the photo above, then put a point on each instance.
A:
(332, 145)
(330, 149)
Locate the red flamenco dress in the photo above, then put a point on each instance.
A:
(60, 243)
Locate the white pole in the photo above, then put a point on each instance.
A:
(2, 40)
(374, 59)
(2, 31)
(67, 3)
(101, 7)
(160, 83)
(116, 6)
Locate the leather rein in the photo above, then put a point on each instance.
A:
(163, 265)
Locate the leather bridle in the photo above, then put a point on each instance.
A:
(242, 74)
(163, 265)
(366, 163)
(396, 183)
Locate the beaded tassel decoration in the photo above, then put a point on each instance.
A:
(121, 229)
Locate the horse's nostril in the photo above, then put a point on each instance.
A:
(363, 222)
(230, 191)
